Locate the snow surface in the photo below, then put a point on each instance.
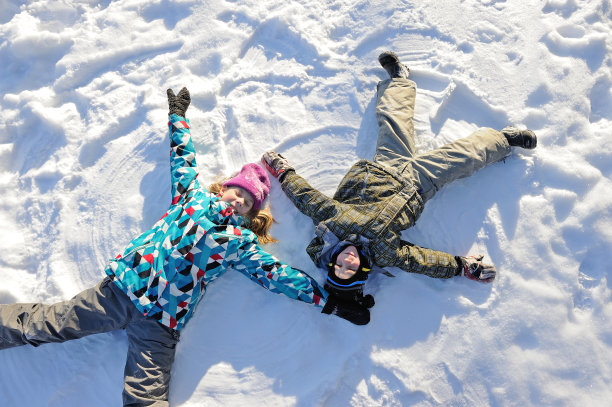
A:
(84, 168)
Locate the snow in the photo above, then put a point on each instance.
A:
(84, 168)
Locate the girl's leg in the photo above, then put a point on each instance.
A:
(395, 113)
(151, 349)
(99, 309)
(459, 159)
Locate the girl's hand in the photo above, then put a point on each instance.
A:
(178, 104)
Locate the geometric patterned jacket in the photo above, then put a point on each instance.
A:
(165, 271)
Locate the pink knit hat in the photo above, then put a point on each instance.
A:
(254, 180)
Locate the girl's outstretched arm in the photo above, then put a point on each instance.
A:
(183, 167)
(271, 274)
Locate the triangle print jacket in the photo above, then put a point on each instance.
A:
(165, 270)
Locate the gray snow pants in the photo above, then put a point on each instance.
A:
(432, 170)
(102, 308)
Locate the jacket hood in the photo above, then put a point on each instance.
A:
(332, 244)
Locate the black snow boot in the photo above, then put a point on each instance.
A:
(393, 66)
(520, 138)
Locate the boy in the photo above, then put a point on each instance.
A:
(378, 199)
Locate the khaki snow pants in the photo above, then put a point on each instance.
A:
(432, 170)
(102, 308)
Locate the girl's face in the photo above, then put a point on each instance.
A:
(347, 263)
(238, 198)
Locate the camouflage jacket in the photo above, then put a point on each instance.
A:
(372, 205)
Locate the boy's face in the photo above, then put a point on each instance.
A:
(238, 198)
(347, 263)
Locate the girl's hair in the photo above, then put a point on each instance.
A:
(258, 221)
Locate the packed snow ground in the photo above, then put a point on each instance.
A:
(84, 168)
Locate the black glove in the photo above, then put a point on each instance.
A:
(350, 294)
(349, 310)
(178, 104)
(366, 301)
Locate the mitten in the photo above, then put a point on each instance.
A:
(352, 293)
(349, 310)
(276, 164)
(473, 268)
(178, 104)
(367, 301)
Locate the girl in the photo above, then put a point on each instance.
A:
(378, 199)
(152, 288)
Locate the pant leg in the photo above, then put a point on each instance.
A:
(459, 159)
(102, 308)
(151, 349)
(394, 113)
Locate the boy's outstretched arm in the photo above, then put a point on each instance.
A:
(308, 200)
(420, 260)
(438, 264)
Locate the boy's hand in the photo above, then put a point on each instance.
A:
(276, 164)
(349, 310)
(473, 268)
(178, 104)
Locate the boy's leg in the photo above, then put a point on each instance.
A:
(151, 349)
(459, 159)
(394, 113)
(99, 309)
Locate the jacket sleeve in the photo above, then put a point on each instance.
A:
(267, 271)
(433, 263)
(308, 200)
(183, 167)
